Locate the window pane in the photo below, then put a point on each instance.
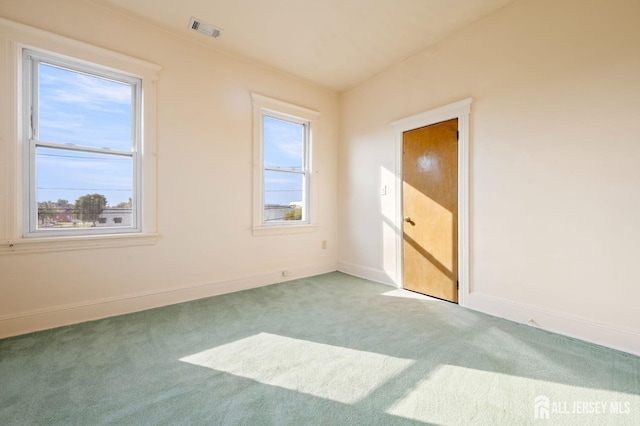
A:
(283, 196)
(283, 144)
(82, 190)
(80, 109)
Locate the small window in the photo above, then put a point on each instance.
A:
(117, 220)
(82, 147)
(283, 178)
(286, 175)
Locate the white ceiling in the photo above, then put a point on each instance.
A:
(336, 43)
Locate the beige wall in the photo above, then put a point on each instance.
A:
(204, 151)
(554, 171)
(555, 149)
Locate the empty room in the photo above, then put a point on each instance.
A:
(319, 212)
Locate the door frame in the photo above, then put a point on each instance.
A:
(460, 110)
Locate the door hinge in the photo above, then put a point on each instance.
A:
(457, 135)
(457, 285)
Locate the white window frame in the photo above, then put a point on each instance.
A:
(264, 106)
(305, 172)
(14, 152)
(31, 80)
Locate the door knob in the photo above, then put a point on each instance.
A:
(407, 219)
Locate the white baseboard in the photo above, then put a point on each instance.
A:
(557, 322)
(371, 274)
(614, 337)
(580, 328)
(26, 322)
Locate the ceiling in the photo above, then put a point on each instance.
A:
(335, 43)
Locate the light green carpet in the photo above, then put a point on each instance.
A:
(331, 349)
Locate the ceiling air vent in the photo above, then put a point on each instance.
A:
(204, 28)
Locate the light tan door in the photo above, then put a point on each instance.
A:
(430, 210)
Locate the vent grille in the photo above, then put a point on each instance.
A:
(204, 28)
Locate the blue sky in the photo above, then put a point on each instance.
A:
(283, 148)
(84, 110)
(88, 111)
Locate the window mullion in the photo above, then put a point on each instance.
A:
(31, 216)
(277, 169)
(71, 147)
(31, 187)
(307, 148)
(33, 105)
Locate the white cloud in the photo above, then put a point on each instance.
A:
(90, 92)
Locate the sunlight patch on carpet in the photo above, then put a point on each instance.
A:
(405, 294)
(331, 372)
(454, 394)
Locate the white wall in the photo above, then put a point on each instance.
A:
(555, 149)
(204, 148)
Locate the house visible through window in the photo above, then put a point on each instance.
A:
(286, 172)
(82, 146)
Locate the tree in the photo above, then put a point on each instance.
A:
(124, 204)
(46, 211)
(88, 207)
(294, 214)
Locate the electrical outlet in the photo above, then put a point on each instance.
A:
(324, 244)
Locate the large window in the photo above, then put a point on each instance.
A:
(82, 147)
(283, 187)
(77, 144)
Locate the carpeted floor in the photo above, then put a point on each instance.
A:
(331, 349)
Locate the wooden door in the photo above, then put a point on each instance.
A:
(430, 210)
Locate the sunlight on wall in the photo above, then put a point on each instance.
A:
(330, 372)
(388, 186)
(390, 230)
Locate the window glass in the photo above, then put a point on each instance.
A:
(81, 109)
(67, 180)
(283, 196)
(285, 143)
(82, 150)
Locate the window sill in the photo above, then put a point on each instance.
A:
(259, 231)
(84, 242)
